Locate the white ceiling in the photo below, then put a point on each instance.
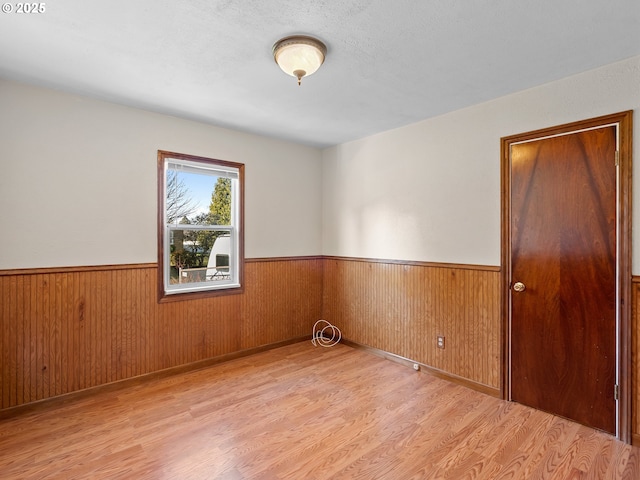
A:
(389, 63)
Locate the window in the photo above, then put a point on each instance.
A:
(200, 227)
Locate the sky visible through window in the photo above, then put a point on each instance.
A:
(200, 188)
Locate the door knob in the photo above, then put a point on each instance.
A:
(519, 287)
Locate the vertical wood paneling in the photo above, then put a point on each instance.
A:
(65, 331)
(401, 308)
(36, 341)
(635, 360)
(44, 366)
(16, 349)
(70, 330)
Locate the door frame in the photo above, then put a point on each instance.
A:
(624, 122)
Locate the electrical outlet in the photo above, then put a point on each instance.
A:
(440, 341)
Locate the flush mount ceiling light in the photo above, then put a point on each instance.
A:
(299, 55)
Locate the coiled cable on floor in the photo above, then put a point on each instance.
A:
(325, 334)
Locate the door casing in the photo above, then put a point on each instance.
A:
(624, 123)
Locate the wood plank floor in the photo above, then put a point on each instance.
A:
(304, 412)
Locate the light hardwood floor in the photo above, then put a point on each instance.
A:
(304, 412)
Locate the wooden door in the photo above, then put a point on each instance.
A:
(563, 292)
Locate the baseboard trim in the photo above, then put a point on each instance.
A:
(133, 381)
(465, 382)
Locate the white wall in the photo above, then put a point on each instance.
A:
(78, 177)
(430, 191)
(78, 181)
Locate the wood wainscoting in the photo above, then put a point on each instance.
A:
(70, 329)
(400, 307)
(635, 360)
